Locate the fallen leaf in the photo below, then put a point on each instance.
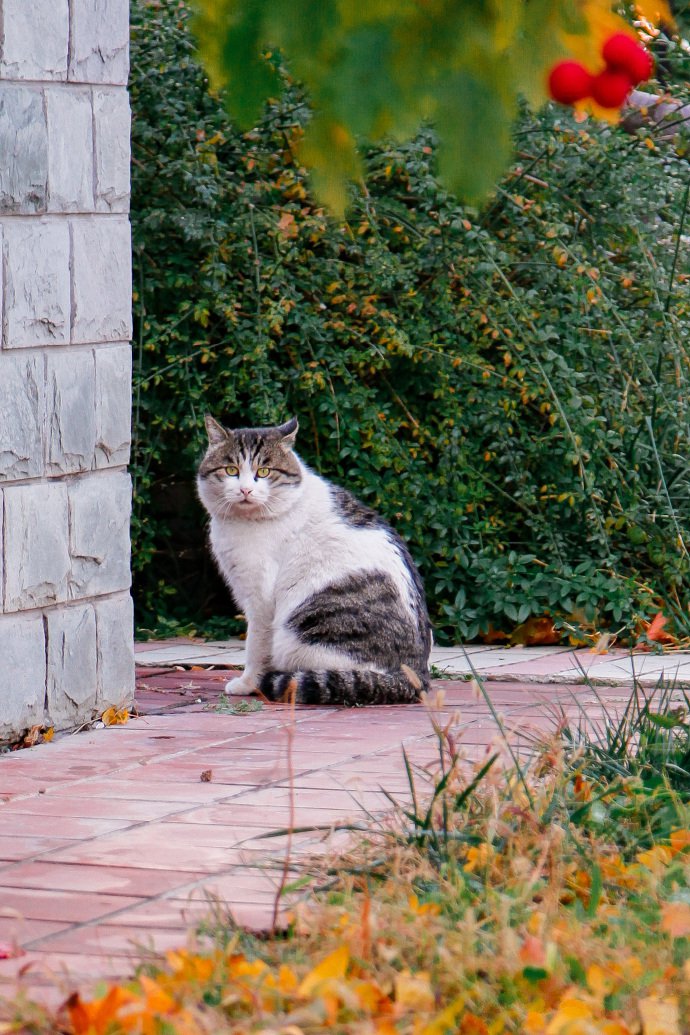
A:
(287, 227)
(659, 1016)
(32, 738)
(569, 1010)
(9, 951)
(48, 734)
(680, 840)
(206, 775)
(532, 951)
(333, 966)
(413, 991)
(536, 632)
(655, 630)
(675, 919)
(114, 717)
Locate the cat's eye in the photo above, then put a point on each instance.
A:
(233, 470)
(263, 472)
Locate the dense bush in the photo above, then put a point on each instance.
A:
(509, 387)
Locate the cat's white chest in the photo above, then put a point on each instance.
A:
(249, 558)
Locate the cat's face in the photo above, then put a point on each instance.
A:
(249, 473)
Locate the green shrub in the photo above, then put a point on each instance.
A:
(508, 387)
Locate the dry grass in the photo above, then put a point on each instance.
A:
(503, 909)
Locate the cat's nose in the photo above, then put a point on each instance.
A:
(246, 492)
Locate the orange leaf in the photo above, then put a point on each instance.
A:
(675, 919)
(654, 11)
(114, 717)
(532, 951)
(680, 840)
(536, 632)
(655, 630)
(286, 226)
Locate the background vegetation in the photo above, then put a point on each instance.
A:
(507, 386)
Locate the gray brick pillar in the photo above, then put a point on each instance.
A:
(66, 650)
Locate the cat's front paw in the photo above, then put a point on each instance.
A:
(243, 686)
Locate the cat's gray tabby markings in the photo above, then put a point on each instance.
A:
(335, 605)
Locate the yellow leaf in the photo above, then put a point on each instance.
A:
(115, 717)
(570, 1010)
(599, 981)
(333, 966)
(413, 991)
(287, 979)
(48, 734)
(659, 1016)
(656, 859)
(654, 11)
(534, 1023)
(675, 919)
(445, 1020)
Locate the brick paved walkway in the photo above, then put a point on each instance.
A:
(111, 840)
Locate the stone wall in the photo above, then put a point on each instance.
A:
(66, 649)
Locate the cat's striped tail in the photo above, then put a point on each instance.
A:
(350, 687)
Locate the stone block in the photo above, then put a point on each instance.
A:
(115, 628)
(24, 149)
(112, 122)
(71, 684)
(70, 411)
(70, 150)
(113, 405)
(100, 41)
(37, 282)
(37, 560)
(99, 508)
(102, 280)
(22, 673)
(22, 405)
(35, 39)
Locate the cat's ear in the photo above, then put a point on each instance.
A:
(216, 432)
(287, 433)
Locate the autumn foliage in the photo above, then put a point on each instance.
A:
(540, 901)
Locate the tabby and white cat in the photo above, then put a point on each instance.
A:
(334, 603)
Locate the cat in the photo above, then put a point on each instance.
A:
(334, 603)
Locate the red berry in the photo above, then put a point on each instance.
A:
(610, 89)
(624, 54)
(569, 81)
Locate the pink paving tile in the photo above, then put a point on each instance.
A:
(162, 913)
(65, 906)
(109, 940)
(15, 786)
(69, 828)
(37, 970)
(115, 880)
(68, 805)
(273, 817)
(188, 771)
(191, 792)
(144, 848)
(307, 798)
(16, 930)
(20, 846)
